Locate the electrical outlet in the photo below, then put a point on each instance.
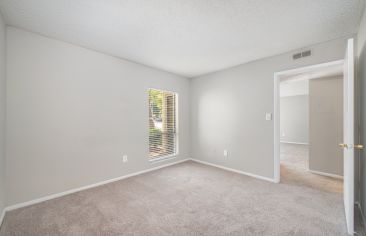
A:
(225, 153)
(125, 158)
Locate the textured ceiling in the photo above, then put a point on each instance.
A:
(187, 37)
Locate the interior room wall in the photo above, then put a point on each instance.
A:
(72, 113)
(2, 115)
(361, 66)
(326, 125)
(294, 118)
(228, 110)
(294, 111)
(294, 87)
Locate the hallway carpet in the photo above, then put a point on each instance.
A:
(294, 165)
(185, 199)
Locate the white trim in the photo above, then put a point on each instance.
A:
(234, 170)
(277, 138)
(276, 109)
(294, 143)
(348, 135)
(163, 158)
(309, 68)
(326, 174)
(57, 195)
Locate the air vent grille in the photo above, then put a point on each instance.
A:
(296, 56)
(306, 53)
(301, 54)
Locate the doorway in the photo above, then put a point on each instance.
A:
(311, 127)
(297, 82)
(348, 145)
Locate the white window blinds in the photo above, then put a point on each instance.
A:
(162, 124)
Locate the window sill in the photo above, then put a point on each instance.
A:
(164, 158)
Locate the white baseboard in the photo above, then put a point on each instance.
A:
(236, 171)
(294, 143)
(325, 174)
(57, 195)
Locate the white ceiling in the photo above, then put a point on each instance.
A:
(187, 37)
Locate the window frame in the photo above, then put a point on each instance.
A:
(176, 153)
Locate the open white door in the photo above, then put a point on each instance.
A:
(348, 135)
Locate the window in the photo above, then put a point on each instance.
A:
(162, 124)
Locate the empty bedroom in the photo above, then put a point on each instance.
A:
(201, 117)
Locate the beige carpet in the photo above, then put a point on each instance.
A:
(185, 199)
(294, 170)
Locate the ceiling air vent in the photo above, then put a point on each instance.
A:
(296, 56)
(306, 53)
(301, 54)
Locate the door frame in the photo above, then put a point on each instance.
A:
(276, 111)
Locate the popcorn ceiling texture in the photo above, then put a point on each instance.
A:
(187, 37)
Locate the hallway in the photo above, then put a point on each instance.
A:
(294, 165)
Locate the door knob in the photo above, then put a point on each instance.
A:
(343, 145)
(358, 146)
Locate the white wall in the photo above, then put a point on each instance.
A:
(73, 112)
(326, 125)
(57, 142)
(228, 110)
(294, 116)
(2, 114)
(293, 88)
